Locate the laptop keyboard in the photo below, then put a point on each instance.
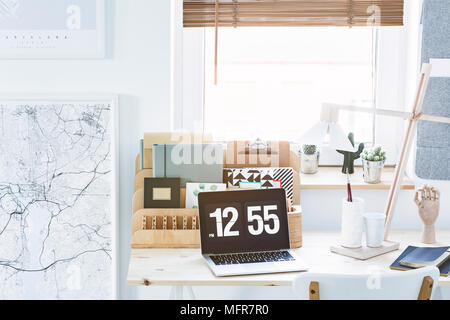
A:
(254, 257)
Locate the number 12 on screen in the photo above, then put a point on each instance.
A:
(259, 219)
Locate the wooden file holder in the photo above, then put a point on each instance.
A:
(143, 236)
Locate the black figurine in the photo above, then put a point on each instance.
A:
(350, 157)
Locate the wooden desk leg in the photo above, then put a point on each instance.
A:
(426, 289)
(314, 293)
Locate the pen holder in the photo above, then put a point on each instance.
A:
(352, 223)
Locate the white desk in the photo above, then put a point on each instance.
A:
(185, 267)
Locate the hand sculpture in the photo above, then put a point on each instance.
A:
(428, 211)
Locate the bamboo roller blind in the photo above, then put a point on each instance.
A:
(295, 13)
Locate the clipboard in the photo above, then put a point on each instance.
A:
(258, 153)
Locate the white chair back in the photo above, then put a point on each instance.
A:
(394, 285)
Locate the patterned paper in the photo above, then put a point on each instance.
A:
(193, 189)
(267, 177)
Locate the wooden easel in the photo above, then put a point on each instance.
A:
(409, 137)
(413, 117)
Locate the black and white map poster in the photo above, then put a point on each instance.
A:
(57, 199)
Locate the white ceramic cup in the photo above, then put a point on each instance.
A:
(374, 225)
(352, 223)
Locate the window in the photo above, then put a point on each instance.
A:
(273, 80)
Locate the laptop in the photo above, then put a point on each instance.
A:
(246, 232)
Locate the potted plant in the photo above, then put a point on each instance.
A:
(309, 158)
(373, 163)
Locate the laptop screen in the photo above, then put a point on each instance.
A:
(243, 221)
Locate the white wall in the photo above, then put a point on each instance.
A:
(138, 68)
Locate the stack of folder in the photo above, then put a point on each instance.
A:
(418, 257)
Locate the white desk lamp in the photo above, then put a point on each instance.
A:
(328, 128)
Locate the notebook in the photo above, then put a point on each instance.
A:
(423, 257)
(444, 268)
(190, 162)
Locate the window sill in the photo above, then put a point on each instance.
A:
(332, 178)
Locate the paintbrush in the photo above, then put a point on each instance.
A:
(349, 189)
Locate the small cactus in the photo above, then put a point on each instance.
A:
(350, 157)
(309, 149)
(374, 154)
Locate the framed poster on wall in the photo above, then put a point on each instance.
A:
(63, 29)
(58, 197)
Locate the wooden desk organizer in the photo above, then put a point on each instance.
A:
(143, 236)
(147, 238)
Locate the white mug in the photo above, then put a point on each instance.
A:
(374, 224)
(352, 223)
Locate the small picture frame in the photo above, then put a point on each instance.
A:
(162, 192)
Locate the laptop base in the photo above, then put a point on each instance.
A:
(227, 270)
